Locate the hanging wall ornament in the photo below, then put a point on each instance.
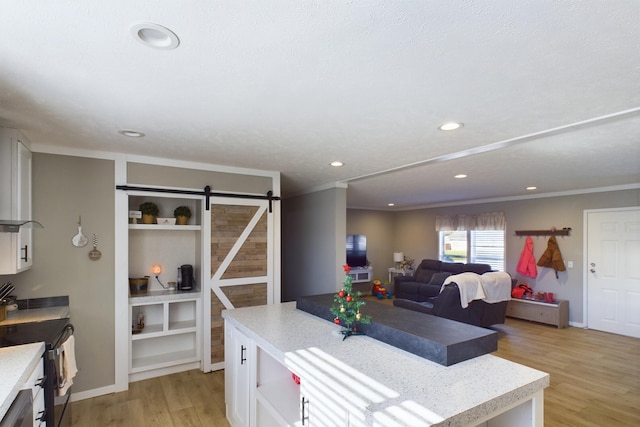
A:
(79, 240)
(95, 254)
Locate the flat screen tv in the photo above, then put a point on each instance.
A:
(356, 250)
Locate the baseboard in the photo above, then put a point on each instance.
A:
(88, 394)
(577, 325)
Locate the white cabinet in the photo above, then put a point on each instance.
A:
(278, 400)
(359, 275)
(259, 390)
(170, 337)
(15, 201)
(36, 384)
(239, 354)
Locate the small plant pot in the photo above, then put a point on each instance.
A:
(139, 286)
(182, 220)
(148, 219)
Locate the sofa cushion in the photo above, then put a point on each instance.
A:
(452, 267)
(430, 264)
(438, 278)
(477, 268)
(426, 269)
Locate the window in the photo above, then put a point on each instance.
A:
(477, 246)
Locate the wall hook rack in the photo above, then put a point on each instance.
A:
(564, 232)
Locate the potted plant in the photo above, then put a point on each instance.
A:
(182, 214)
(149, 212)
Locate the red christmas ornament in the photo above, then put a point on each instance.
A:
(341, 294)
(336, 321)
(348, 298)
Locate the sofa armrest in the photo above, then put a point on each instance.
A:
(399, 278)
(422, 307)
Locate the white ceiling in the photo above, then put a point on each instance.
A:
(548, 91)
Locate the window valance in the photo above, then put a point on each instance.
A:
(484, 221)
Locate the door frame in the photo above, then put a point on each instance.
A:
(585, 262)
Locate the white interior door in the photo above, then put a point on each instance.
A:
(613, 271)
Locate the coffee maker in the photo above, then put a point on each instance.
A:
(186, 281)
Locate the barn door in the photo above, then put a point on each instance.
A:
(242, 267)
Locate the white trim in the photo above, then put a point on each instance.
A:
(121, 274)
(322, 187)
(76, 152)
(158, 161)
(501, 144)
(94, 392)
(585, 257)
(623, 187)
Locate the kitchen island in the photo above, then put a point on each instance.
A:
(17, 364)
(361, 381)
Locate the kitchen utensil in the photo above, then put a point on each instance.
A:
(95, 254)
(187, 281)
(7, 288)
(79, 240)
(4, 287)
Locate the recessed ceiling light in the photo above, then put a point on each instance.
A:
(336, 164)
(460, 176)
(131, 133)
(532, 188)
(391, 204)
(450, 126)
(155, 36)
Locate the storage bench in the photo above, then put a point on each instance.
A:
(556, 313)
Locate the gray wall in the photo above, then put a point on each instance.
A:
(379, 227)
(65, 187)
(313, 243)
(414, 234)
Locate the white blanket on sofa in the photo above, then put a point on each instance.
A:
(491, 287)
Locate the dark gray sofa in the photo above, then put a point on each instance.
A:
(428, 278)
(422, 292)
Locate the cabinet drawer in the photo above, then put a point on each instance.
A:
(36, 381)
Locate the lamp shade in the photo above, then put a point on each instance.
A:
(398, 257)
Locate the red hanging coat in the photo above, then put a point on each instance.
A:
(527, 263)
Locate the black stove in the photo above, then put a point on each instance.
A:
(48, 331)
(53, 333)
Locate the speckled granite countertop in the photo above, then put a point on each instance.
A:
(16, 364)
(36, 315)
(382, 378)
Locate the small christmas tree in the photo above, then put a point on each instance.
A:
(346, 307)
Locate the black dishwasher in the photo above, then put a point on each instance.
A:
(20, 414)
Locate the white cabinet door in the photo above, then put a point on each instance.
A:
(25, 246)
(239, 363)
(15, 202)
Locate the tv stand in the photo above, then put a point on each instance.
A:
(360, 275)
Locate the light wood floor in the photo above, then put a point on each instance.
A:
(595, 381)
